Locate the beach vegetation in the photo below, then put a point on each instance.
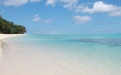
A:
(8, 27)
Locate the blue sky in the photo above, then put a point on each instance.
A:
(64, 16)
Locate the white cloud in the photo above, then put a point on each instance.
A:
(81, 19)
(56, 32)
(100, 6)
(35, 0)
(66, 3)
(51, 2)
(14, 2)
(48, 21)
(17, 2)
(79, 8)
(36, 18)
(115, 13)
(69, 3)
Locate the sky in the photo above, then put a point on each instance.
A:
(64, 16)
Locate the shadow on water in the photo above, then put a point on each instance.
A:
(106, 41)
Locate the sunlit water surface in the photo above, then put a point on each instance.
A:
(61, 54)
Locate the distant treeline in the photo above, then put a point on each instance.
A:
(8, 27)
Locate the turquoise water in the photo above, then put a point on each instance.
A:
(76, 54)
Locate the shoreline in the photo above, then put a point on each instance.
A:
(3, 36)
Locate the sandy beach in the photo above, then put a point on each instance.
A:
(3, 36)
(61, 54)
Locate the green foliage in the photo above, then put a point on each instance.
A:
(7, 27)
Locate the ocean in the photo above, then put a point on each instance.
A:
(61, 54)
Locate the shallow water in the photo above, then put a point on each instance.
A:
(62, 54)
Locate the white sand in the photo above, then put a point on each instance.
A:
(41, 64)
(3, 36)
